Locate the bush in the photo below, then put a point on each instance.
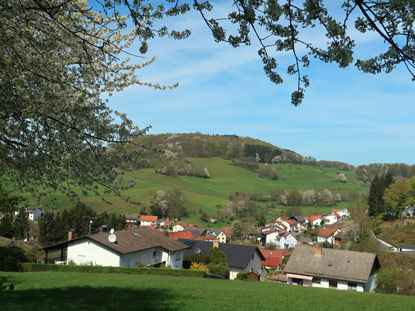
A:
(387, 281)
(197, 258)
(242, 276)
(11, 258)
(33, 267)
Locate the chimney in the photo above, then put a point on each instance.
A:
(318, 251)
(216, 244)
(70, 234)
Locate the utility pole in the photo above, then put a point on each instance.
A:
(89, 222)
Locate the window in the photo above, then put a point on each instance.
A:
(154, 253)
(333, 283)
(352, 286)
(316, 281)
(178, 256)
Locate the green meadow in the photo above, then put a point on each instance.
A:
(226, 179)
(83, 291)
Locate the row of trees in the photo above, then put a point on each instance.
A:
(54, 227)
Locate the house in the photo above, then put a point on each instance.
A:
(407, 248)
(343, 213)
(315, 220)
(181, 235)
(218, 234)
(286, 240)
(332, 268)
(149, 221)
(227, 231)
(330, 219)
(269, 236)
(198, 231)
(124, 248)
(409, 211)
(165, 224)
(327, 235)
(179, 227)
(273, 258)
(240, 258)
(288, 223)
(33, 213)
(131, 219)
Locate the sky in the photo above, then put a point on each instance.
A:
(346, 115)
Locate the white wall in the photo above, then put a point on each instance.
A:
(254, 266)
(89, 252)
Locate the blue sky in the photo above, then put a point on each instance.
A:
(346, 115)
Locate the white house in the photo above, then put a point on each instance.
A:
(330, 219)
(343, 213)
(269, 236)
(330, 268)
(146, 221)
(327, 235)
(286, 240)
(179, 227)
(126, 248)
(33, 213)
(315, 220)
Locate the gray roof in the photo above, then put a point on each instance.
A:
(237, 255)
(213, 232)
(129, 241)
(332, 264)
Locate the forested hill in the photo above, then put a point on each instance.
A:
(228, 147)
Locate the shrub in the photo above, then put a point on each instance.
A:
(33, 267)
(197, 258)
(11, 258)
(242, 276)
(387, 281)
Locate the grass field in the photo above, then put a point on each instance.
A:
(81, 291)
(226, 179)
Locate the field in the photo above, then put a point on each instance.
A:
(226, 179)
(78, 291)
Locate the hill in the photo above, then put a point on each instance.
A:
(82, 291)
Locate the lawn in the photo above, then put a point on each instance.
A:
(82, 291)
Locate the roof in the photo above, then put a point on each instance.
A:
(290, 222)
(131, 216)
(273, 258)
(271, 230)
(181, 235)
(129, 241)
(207, 238)
(327, 232)
(314, 217)
(237, 255)
(297, 218)
(332, 264)
(149, 218)
(227, 231)
(213, 232)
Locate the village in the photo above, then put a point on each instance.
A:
(278, 252)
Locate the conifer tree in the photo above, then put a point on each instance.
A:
(21, 226)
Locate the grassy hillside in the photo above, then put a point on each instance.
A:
(226, 179)
(77, 291)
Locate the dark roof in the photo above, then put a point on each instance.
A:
(129, 241)
(236, 255)
(213, 232)
(297, 218)
(407, 246)
(332, 264)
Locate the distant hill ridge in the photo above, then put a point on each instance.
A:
(228, 147)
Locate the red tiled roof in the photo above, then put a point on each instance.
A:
(314, 217)
(282, 225)
(327, 232)
(290, 222)
(337, 215)
(227, 231)
(181, 235)
(268, 231)
(273, 258)
(149, 218)
(283, 217)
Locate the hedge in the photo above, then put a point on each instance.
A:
(34, 267)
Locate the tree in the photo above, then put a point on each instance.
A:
(58, 57)
(21, 226)
(396, 195)
(376, 200)
(6, 225)
(294, 198)
(217, 263)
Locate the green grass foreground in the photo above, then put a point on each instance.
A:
(83, 291)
